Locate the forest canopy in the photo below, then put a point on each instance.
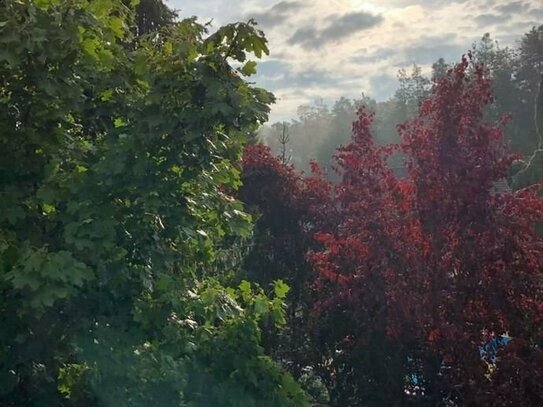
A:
(154, 252)
(117, 168)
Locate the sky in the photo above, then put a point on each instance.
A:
(325, 49)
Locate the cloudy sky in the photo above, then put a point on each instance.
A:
(324, 49)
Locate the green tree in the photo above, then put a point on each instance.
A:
(439, 69)
(287, 207)
(528, 74)
(413, 89)
(531, 59)
(151, 15)
(502, 65)
(115, 181)
(532, 172)
(309, 132)
(342, 114)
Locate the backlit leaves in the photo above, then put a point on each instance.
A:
(116, 184)
(44, 277)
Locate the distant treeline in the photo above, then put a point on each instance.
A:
(319, 129)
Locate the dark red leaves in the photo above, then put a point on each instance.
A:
(415, 277)
(435, 260)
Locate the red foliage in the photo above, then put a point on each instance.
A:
(274, 188)
(288, 208)
(419, 273)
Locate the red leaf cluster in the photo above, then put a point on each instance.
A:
(277, 192)
(426, 270)
(288, 208)
(429, 288)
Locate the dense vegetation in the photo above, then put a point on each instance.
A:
(116, 165)
(426, 289)
(151, 253)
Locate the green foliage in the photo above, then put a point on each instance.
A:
(46, 277)
(115, 180)
(538, 116)
(413, 89)
(532, 172)
(319, 131)
(343, 114)
(151, 15)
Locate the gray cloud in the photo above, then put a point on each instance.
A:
(270, 68)
(537, 13)
(276, 75)
(310, 78)
(425, 3)
(514, 7)
(337, 27)
(424, 51)
(285, 6)
(380, 54)
(383, 86)
(429, 49)
(435, 39)
(428, 54)
(484, 20)
(522, 26)
(276, 14)
(307, 37)
(348, 24)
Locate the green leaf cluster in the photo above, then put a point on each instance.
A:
(116, 182)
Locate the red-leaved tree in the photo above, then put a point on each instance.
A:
(287, 208)
(430, 287)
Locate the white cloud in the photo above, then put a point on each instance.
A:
(331, 48)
